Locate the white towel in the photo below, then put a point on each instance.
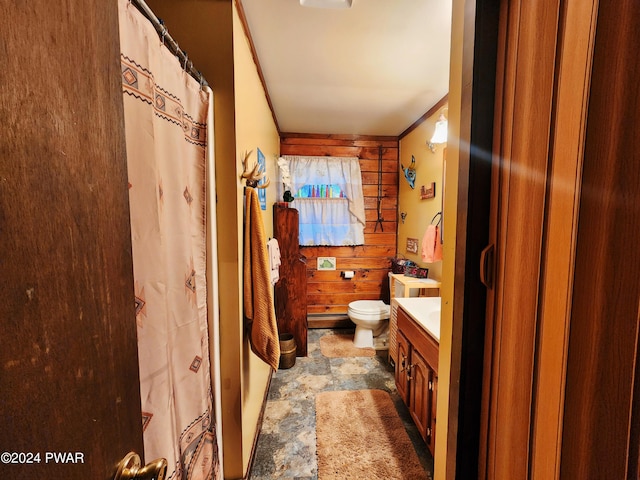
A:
(274, 260)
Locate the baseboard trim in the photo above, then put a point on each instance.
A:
(325, 320)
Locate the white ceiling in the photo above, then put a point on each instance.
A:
(373, 69)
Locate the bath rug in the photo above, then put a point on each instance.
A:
(340, 345)
(360, 436)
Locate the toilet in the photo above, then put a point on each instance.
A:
(371, 318)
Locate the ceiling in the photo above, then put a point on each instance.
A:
(372, 69)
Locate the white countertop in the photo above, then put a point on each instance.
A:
(425, 311)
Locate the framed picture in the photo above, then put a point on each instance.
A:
(326, 263)
(412, 245)
(430, 192)
(262, 192)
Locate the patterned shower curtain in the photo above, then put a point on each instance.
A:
(166, 125)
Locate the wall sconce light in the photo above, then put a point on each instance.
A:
(440, 133)
(326, 3)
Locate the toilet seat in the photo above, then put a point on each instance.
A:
(370, 309)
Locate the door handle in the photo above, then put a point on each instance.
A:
(130, 468)
(486, 266)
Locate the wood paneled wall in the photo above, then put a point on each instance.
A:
(327, 291)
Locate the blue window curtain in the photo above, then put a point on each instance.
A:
(329, 221)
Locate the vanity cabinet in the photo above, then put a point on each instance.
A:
(402, 286)
(416, 374)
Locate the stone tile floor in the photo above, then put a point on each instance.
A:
(286, 445)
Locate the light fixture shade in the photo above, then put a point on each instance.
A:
(326, 3)
(440, 134)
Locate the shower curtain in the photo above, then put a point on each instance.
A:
(166, 134)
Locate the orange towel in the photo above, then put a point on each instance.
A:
(258, 294)
(437, 250)
(431, 246)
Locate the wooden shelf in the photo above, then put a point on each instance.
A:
(427, 286)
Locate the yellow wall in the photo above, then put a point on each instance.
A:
(419, 212)
(430, 168)
(255, 129)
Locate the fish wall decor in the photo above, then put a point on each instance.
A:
(410, 172)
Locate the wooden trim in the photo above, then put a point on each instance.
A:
(285, 136)
(441, 103)
(256, 437)
(500, 136)
(633, 460)
(321, 320)
(254, 55)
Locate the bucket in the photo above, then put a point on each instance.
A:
(287, 350)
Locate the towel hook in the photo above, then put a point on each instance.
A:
(436, 216)
(253, 175)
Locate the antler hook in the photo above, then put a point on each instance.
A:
(253, 175)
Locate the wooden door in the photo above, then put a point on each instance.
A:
(563, 321)
(602, 396)
(433, 401)
(68, 355)
(525, 79)
(529, 38)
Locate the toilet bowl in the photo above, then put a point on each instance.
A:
(371, 318)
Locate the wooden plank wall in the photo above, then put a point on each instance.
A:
(327, 291)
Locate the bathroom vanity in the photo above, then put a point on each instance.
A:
(416, 362)
(402, 286)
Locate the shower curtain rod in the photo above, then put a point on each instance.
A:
(169, 42)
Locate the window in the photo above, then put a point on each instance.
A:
(328, 196)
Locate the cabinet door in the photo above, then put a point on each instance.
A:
(402, 365)
(419, 396)
(433, 398)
